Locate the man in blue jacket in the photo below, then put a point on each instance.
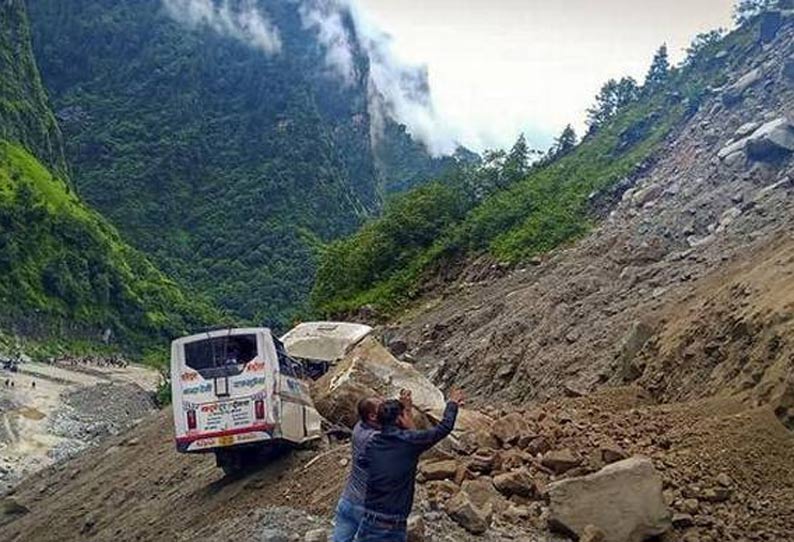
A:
(350, 510)
(391, 456)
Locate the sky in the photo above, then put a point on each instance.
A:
(501, 67)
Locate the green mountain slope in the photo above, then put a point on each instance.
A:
(25, 115)
(64, 271)
(427, 233)
(225, 163)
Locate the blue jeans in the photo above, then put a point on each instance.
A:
(347, 521)
(382, 528)
(353, 523)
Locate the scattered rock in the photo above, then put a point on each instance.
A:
(272, 535)
(416, 529)
(398, 348)
(439, 470)
(316, 535)
(517, 482)
(463, 511)
(682, 521)
(508, 429)
(734, 93)
(771, 140)
(611, 453)
(538, 445)
(624, 500)
(10, 510)
(560, 461)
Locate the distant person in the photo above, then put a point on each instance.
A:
(350, 510)
(391, 458)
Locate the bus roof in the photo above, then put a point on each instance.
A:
(221, 333)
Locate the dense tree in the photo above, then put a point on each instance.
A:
(703, 42)
(564, 143)
(659, 72)
(613, 96)
(516, 164)
(746, 10)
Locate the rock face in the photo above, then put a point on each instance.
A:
(734, 93)
(623, 500)
(767, 142)
(771, 140)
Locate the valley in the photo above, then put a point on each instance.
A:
(619, 309)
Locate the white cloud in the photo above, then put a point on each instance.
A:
(396, 88)
(245, 22)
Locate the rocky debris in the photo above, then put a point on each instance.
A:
(631, 344)
(624, 500)
(771, 140)
(398, 347)
(510, 428)
(560, 461)
(518, 482)
(316, 535)
(767, 142)
(416, 528)
(734, 93)
(439, 470)
(464, 512)
(612, 453)
(10, 510)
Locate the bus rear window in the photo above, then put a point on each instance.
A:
(229, 351)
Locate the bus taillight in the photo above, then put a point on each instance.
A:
(191, 419)
(259, 409)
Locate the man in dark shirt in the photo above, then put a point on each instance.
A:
(391, 457)
(350, 510)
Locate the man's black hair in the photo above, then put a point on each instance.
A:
(389, 411)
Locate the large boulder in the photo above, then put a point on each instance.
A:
(734, 93)
(623, 500)
(768, 142)
(772, 140)
(468, 515)
(369, 370)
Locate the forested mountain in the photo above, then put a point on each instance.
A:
(221, 137)
(506, 212)
(64, 271)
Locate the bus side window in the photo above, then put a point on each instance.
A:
(287, 365)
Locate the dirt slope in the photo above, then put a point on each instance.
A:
(569, 320)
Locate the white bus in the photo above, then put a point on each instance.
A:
(235, 390)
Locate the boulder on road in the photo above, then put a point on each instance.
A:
(623, 500)
(368, 370)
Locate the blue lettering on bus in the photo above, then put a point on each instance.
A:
(250, 382)
(201, 388)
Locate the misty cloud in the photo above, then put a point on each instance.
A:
(244, 22)
(396, 89)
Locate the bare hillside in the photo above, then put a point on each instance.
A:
(576, 320)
